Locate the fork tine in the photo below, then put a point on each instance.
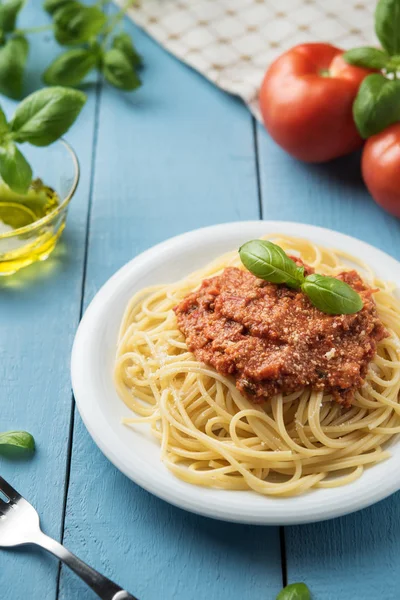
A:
(4, 507)
(8, 491)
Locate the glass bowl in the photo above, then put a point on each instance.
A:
(26, 237)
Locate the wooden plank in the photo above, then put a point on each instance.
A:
(176, 155)
(39, 312)
(355, 556)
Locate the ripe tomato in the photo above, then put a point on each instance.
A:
(380, 166)
(306, 102)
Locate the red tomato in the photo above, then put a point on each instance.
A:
(380, 166)
(306, 102)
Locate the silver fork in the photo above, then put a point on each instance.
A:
(19, 525)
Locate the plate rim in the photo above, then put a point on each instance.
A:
(78, 384)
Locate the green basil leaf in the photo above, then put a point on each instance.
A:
(75, 23)
(387, 25)
(294, 591)
(19, 439)
(14, 168)
(123, 42)
(13, 58)
(46, 115)
(394, 62)
(4, 126)
(8, 14)
(377, 104)
(369, 58)
(118, 70)
(52, 5)
(331, 295)
(71, 67)
(268, 261)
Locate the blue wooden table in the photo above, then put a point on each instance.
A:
(177, 155)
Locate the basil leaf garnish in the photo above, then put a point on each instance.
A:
(268, 261)
(46, 115)
(367, 57)
(377, 104)
(19, 439)
(294, 591)
(331, 295)
(387, 25)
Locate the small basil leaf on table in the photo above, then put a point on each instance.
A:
(377, 104)
(122, 41)
(13, 57)
(331, 295)
(46, 115)
(71, 67)
(294, 591)
(75, 23)
(369, 58)
(52, 5)
(8, 14)
(19, 439)
(268, 261)
(118, 71)
(387, 25)
(14, 168)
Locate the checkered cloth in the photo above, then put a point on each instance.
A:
(232, 42)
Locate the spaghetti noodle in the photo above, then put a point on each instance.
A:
(211, 435)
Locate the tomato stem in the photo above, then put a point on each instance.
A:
(324, 73)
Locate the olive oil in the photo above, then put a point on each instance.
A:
(21, 212)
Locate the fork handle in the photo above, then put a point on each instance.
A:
(104, 587)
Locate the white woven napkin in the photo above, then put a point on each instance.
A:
(232, 42)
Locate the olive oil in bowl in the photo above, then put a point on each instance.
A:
(31, 223)
(19, 245)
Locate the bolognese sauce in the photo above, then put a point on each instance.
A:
(273, 340)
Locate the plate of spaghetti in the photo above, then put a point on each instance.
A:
(248, 372)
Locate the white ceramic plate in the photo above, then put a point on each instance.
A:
(135, 452)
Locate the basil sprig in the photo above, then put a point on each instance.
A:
(85, 30)
(330, 295)
(17, 439)
(377, 104)
(114, 57)
(294, 591)
(41, 119)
